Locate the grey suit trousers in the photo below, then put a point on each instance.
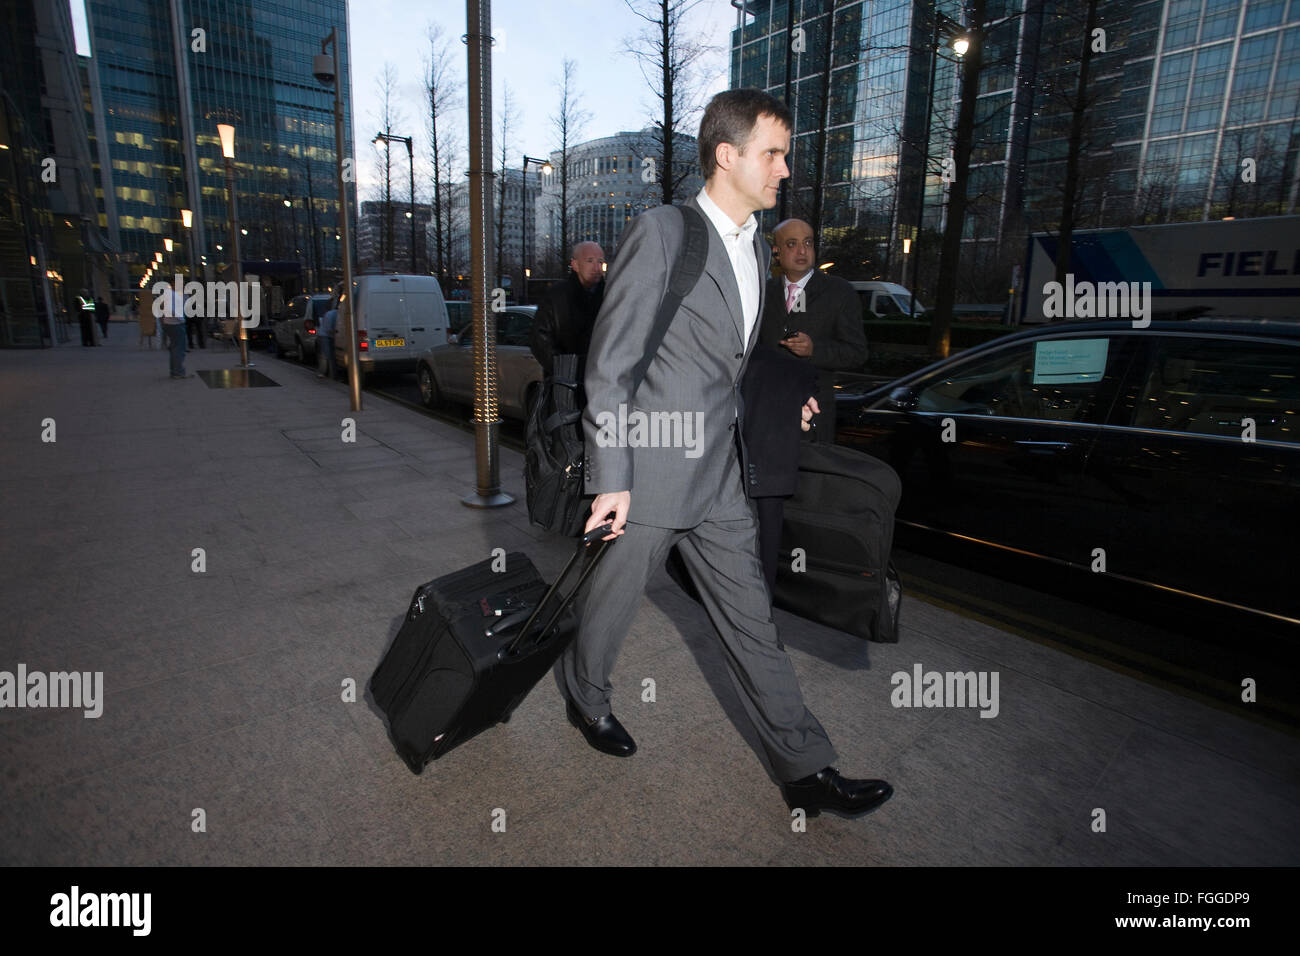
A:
(721, 555)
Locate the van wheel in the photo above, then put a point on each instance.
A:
(428, 387)
(302, 351)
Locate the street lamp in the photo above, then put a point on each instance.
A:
(227, 133)
(544, 166)
(388, 139)
(954, 35)
(323, 68)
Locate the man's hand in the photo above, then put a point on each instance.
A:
(799, 343)
(617, 502)
(809, 409)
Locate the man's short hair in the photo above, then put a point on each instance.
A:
(731, 117)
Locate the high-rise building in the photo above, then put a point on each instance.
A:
(373, 250)
(169, 71)
(1181, 94)
(51, 244)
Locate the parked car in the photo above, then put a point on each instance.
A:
(1167, 456)
(295, 331)
(447, 371)
(886, 298)
(398, 317)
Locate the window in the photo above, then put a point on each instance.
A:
(1209, 386)
(1051, 380)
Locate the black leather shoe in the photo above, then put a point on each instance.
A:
(827, 790)
(606, 734)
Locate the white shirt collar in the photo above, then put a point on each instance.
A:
(722, 222)
(801, 283)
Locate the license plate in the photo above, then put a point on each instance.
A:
(389, 343)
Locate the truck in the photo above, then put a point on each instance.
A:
(1230, 268)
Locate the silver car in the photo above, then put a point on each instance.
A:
(296, 330)
(446, 372)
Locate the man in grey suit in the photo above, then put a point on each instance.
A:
(675, 478)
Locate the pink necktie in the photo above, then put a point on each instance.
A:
(791, 293)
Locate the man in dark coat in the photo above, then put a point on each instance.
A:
(814, 316)
(567, 313)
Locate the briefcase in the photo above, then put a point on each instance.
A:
(472, 646)
(836, 541)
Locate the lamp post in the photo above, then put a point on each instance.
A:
(235, 274)
(187, 220)
(544, 166)
(946, 28)
(388, 139)
(324, 69)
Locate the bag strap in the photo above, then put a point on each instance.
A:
(687, 269)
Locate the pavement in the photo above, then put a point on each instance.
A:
(227, 733)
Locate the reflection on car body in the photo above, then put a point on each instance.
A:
(1167, 456)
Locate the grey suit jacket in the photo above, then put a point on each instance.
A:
(668, 441)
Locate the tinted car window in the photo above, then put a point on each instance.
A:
(514, 328)
(1051, 380)
(1208, 386)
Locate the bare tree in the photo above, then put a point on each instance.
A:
(444, 96)
(389, 116)
(667, 56)
(508, 118)
(568, 123)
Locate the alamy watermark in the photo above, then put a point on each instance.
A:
(1098, 300)
(221, 300)
(641, 429)
(79, 689)
(946, 689)
(75, 908)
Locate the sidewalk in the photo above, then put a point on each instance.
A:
(222, 690)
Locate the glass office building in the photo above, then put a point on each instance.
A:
(169, 71)
(1180, 94)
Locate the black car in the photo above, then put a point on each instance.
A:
(1167, 456)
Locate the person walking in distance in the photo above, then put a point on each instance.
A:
(659, 496)
(325, 344)
(170, 307)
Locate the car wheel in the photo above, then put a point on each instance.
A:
(275, 345)
(428, 387)
(302, 351)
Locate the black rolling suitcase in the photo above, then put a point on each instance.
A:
(842, 517)
(473, 644)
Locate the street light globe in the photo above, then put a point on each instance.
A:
(960, 46)
(227, 133)
(187, 217)
(547, 168)
(157, 257)
(288, 204)
(167, 244)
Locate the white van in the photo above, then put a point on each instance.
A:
(398, 318)
(886, 298)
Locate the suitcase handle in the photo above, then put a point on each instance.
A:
(591, 537)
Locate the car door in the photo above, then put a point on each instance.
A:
(453, 366)
(993, 446)
(1201, 503)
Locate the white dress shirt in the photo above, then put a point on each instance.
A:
(786, 283)
(739, 241)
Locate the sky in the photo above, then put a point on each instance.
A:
(533, 39)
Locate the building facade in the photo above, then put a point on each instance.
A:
(169, 71)
(51, 243)
(611, 179)
(374, 248)
(1180, 94)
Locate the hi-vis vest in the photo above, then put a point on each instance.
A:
(87, 305)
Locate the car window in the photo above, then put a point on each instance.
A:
(1057, 379)
(514, 328)
(1211, 386)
